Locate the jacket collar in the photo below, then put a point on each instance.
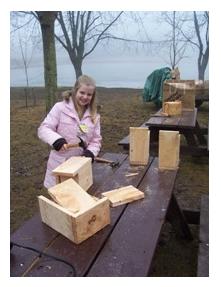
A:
(71, 111)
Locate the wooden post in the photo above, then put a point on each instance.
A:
(169, 149)
(139, 145)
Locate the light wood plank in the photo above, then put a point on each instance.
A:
(123, 195)
(57, 217)
(139, 145)
(169, 149)
(172, 108)
(71, 195)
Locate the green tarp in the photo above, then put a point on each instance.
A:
(153, 88)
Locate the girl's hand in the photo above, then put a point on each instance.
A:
(64, 147)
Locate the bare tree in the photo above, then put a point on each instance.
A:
(196, 33)
(82, 31)
(202, 23)
(174, 38)
(47, 21)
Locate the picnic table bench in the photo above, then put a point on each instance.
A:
(186, 123)
(125, 247)
(203, 254)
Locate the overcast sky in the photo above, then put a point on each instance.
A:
(149, 27)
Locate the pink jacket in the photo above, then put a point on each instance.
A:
(63, 122)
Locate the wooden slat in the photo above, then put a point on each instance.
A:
(123, 195)
(188, 118)
(82, 256)
(71, 195)
(203, 255)
(130, 248)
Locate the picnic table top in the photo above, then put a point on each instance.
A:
(186, 120)
(123, 248)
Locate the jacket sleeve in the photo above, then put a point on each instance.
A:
(95, 144)
(47, 130)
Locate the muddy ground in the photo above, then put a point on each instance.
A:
(120, 109)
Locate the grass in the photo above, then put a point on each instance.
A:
(121, 108)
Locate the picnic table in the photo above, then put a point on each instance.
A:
(186, 123)
(125, 247)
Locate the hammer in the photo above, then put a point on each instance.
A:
(104, 160)
(80, 144)
(97, 159)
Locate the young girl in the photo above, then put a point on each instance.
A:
(74, 117)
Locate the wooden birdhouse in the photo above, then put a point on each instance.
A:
(78, 168)
(74, 213)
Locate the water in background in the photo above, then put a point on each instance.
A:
(128, 73)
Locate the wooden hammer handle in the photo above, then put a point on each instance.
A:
(101, 159)
(70, 145)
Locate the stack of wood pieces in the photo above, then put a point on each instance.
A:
(180, 90)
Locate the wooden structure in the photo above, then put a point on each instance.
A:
(123, 248)
(180, 90)
(139, 145)
(172, 108)
(77, 167)
(89, 215)
(186, 124)
(169, 149)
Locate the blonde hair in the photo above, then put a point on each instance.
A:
(83, 80)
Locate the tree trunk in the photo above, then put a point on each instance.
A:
(77, 63)
(47, 20)
(78, 70)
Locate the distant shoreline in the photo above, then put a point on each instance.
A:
(69, 87)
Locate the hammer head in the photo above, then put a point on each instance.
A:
(114, 163)
(82, 144)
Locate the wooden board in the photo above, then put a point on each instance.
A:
(72, 166)
(169, 149)
(71, 195)
(90, 222)
(77, 167)
(57, 217)
(172, 108)
(139, 145)
(123, 195)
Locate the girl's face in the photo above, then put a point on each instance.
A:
(84, 95)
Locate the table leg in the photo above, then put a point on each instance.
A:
(176, 217)
(200, 136)
(189, 135)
